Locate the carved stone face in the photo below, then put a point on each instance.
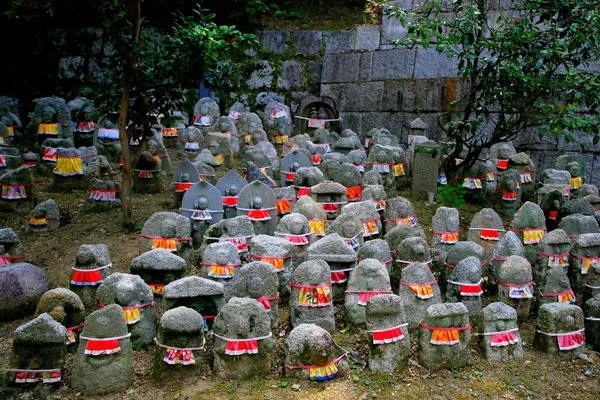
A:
(168, 229)
(222, 257)
(231, 191)
(504, 153)
(295, 165)
(256, 202)
(201, 203)
(152, 147)
(48, 115)
(214, 148)
(184, 177)
(574, 169)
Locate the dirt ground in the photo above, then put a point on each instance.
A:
(536, 376)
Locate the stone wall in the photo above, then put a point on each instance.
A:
(376, 84)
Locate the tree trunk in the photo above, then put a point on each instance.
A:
(127, 183)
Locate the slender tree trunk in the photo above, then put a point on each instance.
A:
(127, 183)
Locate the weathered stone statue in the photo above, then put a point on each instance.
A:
(243, 344)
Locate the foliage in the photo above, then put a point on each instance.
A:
(164, 66)
(523, 70)
(426, 149)
(451, 195)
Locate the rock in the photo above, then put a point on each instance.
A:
(556, 244)
(311, 345)
(499, 339)
(257, 280)
(38, 348)
(377, 249)
(310, 295)
(515, 285)
(135, 296)
(75, 168)
(181, 342)
(508, 245)
(369, 218)
(21, 286)
(401, 232)
(220, 262)
(584, 251)
(295, 229)
(591, 310)
(235, 230)
(105, 373)
(340, 257)
(555, 287)
(104, 196)
(19, 194)
(202, 295)
(385, 320)
(399, 211)
(158, 267)
(313, 212)
(65, 307)
(445, 227)
(418, 291)
(106, 138)
(369, 278)
(576, 206)
(440, 349)
(486, 229)
(507, 196)
(349, 227)
(425, 170)
(464, 284)
(277, 252)
(459, 252)
(529, 224)
(411, 250)
(169, 231)
(527, 171)
(92, 266)
(576, 224)
(560, 318)
(243, 346)
(258, 202)
(331, 196)
(44, 217)
(11, 248)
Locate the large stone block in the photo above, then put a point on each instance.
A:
(262, 76)
(393, 64)
(338, 41)
(360, 96)
(340, 68)
(308, 43)
(291, 76)
(275, 40)
(367, 37)
(431, 64)
(391, 29)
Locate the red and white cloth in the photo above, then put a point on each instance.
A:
(389, 335)
(469, 289)
(568, 340)
(88, 277)
(238, 347)
(502, 338)
(99, 346)
(363, 297)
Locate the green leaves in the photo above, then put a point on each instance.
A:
(525, 70)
